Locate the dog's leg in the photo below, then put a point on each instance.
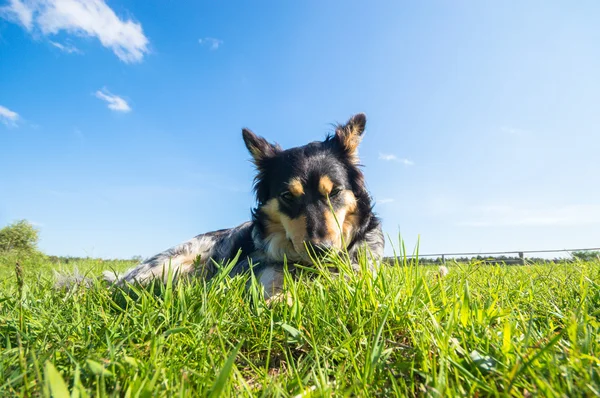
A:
(373, 243)
(184, 259)
(271, 278)
(192, 257)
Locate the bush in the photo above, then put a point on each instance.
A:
(19, 236)
(589, 255)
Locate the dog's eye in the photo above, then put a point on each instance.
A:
(287, 196)
(335, 192)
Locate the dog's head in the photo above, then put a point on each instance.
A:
(311, 199)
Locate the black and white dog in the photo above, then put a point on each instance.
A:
(311, 200)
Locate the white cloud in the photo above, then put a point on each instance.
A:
(504, 215)
(388, 157)
(19, 12)
(115, 102)
(67, 48)
(8, 117)
(211, 42)
(91, 18)
(384, 201)
(514, 131)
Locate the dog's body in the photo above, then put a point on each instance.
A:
(312, 200)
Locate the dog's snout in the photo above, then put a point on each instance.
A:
(321, 248)
(316, 228)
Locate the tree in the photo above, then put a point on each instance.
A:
(19, 236)
(587, 255)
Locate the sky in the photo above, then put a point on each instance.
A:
(120, 121)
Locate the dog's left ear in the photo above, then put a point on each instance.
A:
(259, 148)
(350, 134)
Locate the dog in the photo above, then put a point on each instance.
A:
(311, 201)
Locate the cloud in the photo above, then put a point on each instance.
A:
(211, 42)
(514, 131)
(19, 12)
(89, 18)
(115, 102)
(384, 201)
(388, 157)
(8, 117)
(504, 215)
(67, 48)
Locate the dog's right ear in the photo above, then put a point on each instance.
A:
(350, 134)
(259, 148)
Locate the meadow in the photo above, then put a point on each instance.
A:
(482, 330)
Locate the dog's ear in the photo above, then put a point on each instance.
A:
(259, 148)
(349, 135)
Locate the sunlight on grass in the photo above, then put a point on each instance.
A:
(482, 329)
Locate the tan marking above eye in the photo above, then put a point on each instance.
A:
(295, 187)
(325, 185)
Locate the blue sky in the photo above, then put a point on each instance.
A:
(120, 121)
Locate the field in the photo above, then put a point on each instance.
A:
(479, 331)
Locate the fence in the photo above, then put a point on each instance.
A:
(521, 254)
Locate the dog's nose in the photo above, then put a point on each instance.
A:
(321, 248)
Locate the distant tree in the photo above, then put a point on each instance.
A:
(19, 236)
(587, 255)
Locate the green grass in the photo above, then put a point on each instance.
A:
(482, 330)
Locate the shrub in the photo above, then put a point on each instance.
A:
(19, 236)
(589, 255)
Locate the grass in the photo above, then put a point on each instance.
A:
(480, 331)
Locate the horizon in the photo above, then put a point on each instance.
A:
(120, 123)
